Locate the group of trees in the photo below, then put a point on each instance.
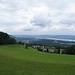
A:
(6, 39)
(69, 50)
(65, 50)
(43, 49)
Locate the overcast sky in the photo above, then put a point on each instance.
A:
(37, 17)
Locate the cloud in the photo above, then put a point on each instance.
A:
(20, 16)
(28, 29)
(41, 20)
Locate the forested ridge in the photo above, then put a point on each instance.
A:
(6, 39)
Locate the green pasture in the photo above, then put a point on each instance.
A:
(16, 60)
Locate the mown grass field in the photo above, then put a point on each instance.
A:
(16, 60)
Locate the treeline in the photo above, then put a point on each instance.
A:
(69, 50)
(66, 50)
(6, 39)
(55, 49)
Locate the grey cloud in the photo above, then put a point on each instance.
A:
(11, 23)
(24, 4)
(12, 6)
(68, 22)
(41, 20)
(29, 29)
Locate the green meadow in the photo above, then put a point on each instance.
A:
(16, 60)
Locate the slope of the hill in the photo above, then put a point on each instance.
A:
(16, 60)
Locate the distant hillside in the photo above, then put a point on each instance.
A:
(52, 40)
(68, 37)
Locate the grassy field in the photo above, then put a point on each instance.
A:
(16, 60)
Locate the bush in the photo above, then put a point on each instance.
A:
(39, 49)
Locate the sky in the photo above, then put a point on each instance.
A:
(37, 17)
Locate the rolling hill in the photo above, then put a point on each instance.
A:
(16, 60)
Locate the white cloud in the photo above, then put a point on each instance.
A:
(37, 16)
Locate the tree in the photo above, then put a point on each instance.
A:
(6, 39)
(47, 50)
(58, 50)
(70, 50)
(26, 46)
(11, 41)
(3, 38)
(39, 49)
